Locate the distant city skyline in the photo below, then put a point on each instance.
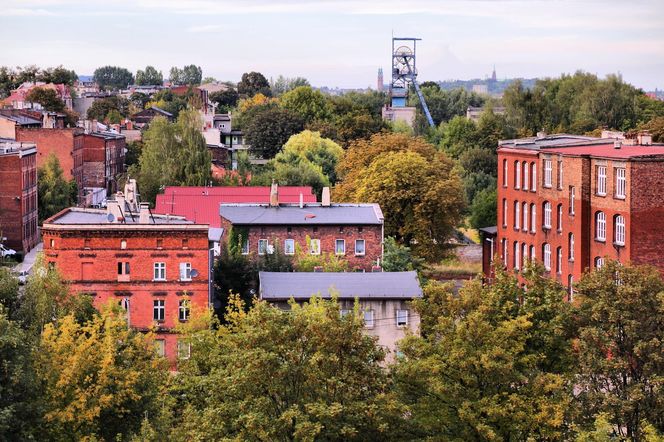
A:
(341, 43)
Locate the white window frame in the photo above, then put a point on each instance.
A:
(184, 309)
(314, 246)
(526, 178)
(123, 268)
(517, 176)
(599, 262)
(263, 250)
(559, 260)
(289, 250)
(505, 172)
(504, 246)
(504, 212)
(525, 216)
(560, 218)
(533, 177)
(533, 256)
(159, 310)
(343, 247)
(517, 256)
(159, 271)
(401, 317)
(364, 247)
(546, 223)
(601, 180)
(621, 182)
(619, 237)
(160, 347)
(572, 197)
(184, 350)
(547, 173)
(524, 255)
(600, 226)
(185, 271)
(560, 175)
(546, 253)
(533, 217)
(517, 214)
(570, 244)
(369, 319)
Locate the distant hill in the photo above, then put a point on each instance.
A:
(85, 78)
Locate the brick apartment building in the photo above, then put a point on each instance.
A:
(353, 232)
(103, 160)
(573, 201)
(156, 266)
(18, 194)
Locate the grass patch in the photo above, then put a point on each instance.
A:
(453, 267)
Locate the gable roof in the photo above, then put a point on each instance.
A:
(303, 285)
(292, 214)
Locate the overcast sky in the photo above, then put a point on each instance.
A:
(341, 42)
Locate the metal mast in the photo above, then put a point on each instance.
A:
(404, 71)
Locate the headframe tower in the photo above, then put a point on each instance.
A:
(404, 72)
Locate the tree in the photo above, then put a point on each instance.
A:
(413, 183)
(166, 100)
(282, 84)
(9, 295)
(621, 347)
(190, 75)
(150, 76)
(58, 75)
(357, 126)
(459, 135)
(302, 374)
(320, 151)
(483, 210)
(398, 258)
(253, 83)
(102, 107)
(482, 369)
(269, 129)
(100, 378)
(656, 129)
(306, 102)
(291, 169)
(54, 192)
(173, 154)
(113, 77)
(225, 100)
(47, 98)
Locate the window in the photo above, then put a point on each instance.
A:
(560, 175)
(504, 173)
(547, 215)
(359, 247)
(620, 230)
(185, 271)
(621, 182)
(289, 247)
(559, 260)
(524, 254)
(599, 262)
(245, 246)
(123, 268)
(160, 243)
(533, 177)
(183, 310)
(52, 243)
(525, 176)
(600, 226)
(504, 212)
(517, 256)
(185, 243)
(570, 246)
(517, 216)
(344, 312)
(340, 247)
(546, 253)
(123, 244)
(525, 217)
(314, 247)
(160, 347)
(559, 221)
(158, 309)
(517, 175)
(533, 218)
(402, 318)
(369, 319)
(533, 257)
(262, 246)
(601, 180)
(572, 197)
(504, 249)
(547, 173)
(184, 350)
(86, 243)
(160, 271)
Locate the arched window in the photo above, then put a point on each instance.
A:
(533, 217)
(504, 173)
(533, 257)
(570, 247)
(599, 262)
(559, 260)
(517, 215)
(525, 217)
(600, 226)
(504, 212)
(524, 253)
(517, 175)
(546, 254)
(559, 222)
(517, 256)
(533, 177)
(525, 175)
(620, 230)
(547, 215)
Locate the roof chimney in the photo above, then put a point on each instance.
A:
(114, 214)
(541, 134)
(144, 214)
(274, 195)
(617, 144)
(644, 138)
(325, 197)
(301, 200)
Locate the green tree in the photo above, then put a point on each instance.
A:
(320, 151)
(459, 135)
(621, 347)
(100, 378)
(190, 75)
(656, 128)
(301, 374)
(100, 109)
(483, 210)
(150, 76)
(173, 154)
(253, 83)
(113, 77)
(8, 293)
(47, 98)
(54, 192)
(269, 129)
(356, 126)
(398, 258)
(306, 102)
(283, 84)
(225, 100)
(58, 75)
(292, 169)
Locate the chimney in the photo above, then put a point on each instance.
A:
(144, 214)
(644, 138)
(325, 198)
(376, 269)
(617, 144)
(541, 134)
(114, 214)
(274, 195)
(301, 200)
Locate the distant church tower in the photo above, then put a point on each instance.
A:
(379, 84)
(493, 74)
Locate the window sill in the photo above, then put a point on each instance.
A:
(618, 244)
(600, 240)
(602, 195)
(185, 280)
(619, 198)
(159, 280)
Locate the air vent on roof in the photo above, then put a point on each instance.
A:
(617, 144)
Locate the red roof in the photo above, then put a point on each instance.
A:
(201, 204)
(608, 151)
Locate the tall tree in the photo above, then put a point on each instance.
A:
(113, 77)
(306, 102)
(100, 109)
(253, 83)
(225, 100)
(47, 98)
(270, 128)
(190, 75)
(320, 151)
(58, 75)
(150, 76)
(54, 192)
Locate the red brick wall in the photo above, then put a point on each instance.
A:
(646, 226)
(371, 234)
(18, 201)
(64, 143)
(102, 251)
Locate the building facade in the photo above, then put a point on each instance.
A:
(571, 202)
(18, 195)
(157, 267)
(103, 160)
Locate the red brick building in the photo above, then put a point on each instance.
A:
(353, 232)
(18, 195)
(573, 201)
(103, 160)
(155, 266)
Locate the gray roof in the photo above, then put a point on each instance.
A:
(491, 230)
(75, 215)
(292, 214)
(302, 285)
(215, 233)
(21, 120)
(556, 140)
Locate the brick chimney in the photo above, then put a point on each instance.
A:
(325, 197)
(274, 195)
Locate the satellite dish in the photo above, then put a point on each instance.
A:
(194, 273)
(110, 217)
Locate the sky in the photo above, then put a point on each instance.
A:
(341, 43)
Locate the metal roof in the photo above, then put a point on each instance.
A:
(292, 214)
(303, 285)
(75, 215)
